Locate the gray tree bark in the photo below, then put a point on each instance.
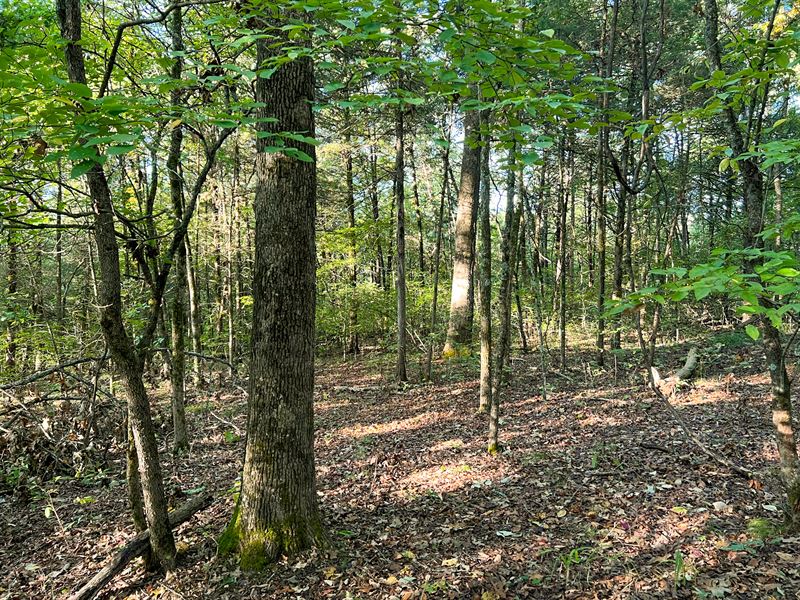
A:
(277, 512)
(121, 348)
(459, 327)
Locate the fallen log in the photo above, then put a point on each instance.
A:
(666, 389)
(136, 547)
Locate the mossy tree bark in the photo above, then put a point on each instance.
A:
(277, 512)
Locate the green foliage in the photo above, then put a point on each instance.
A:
(762, 283)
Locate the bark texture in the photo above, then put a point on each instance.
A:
(121, 348)
(459, 327)
(277, 512)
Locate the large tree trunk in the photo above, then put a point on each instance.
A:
(459, 328)
(121, 348)
(277, 512)
(180, 438)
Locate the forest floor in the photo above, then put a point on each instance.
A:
(597, 494)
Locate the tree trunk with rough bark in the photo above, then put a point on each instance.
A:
(753, 195)
(121, 348)
(277, 512)
(459, 328)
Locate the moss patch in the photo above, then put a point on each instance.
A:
(229, 540)
(259, 548)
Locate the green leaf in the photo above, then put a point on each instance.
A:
(486, 57)
(116, 150)
(753, 331)
(81, 169)
(701, 292)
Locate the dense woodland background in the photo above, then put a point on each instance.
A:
(509, 234)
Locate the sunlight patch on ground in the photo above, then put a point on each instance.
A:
(448, 445)
(421, 420)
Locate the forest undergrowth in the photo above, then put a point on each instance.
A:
(596, 493)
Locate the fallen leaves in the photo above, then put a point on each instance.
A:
(578, 507)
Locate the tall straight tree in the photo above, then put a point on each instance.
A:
(400, 277)
(459, 327)
(178, 371)
(485, 275)
(277, 512)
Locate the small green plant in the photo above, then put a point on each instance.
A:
(231, 437)
(436, 586)
(605, 454)
(200, 408)
(679, 574)
(364, 447)
(572, 558)
(534, 458)
(762, 529)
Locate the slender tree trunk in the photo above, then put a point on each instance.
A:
(60, 300)
(523, 337)
(607, 55)
(459, 328)
(417, 210)
(437, 255)
(195, 315)
(400, 280)
(619, 246)
(12, 278)
(352, 316)
(562, 257)
(180, 438)
(507, 265)
(380, 267)
(277, 511)
(485, 283)
(122, 351)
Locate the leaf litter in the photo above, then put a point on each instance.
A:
(595, 495)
